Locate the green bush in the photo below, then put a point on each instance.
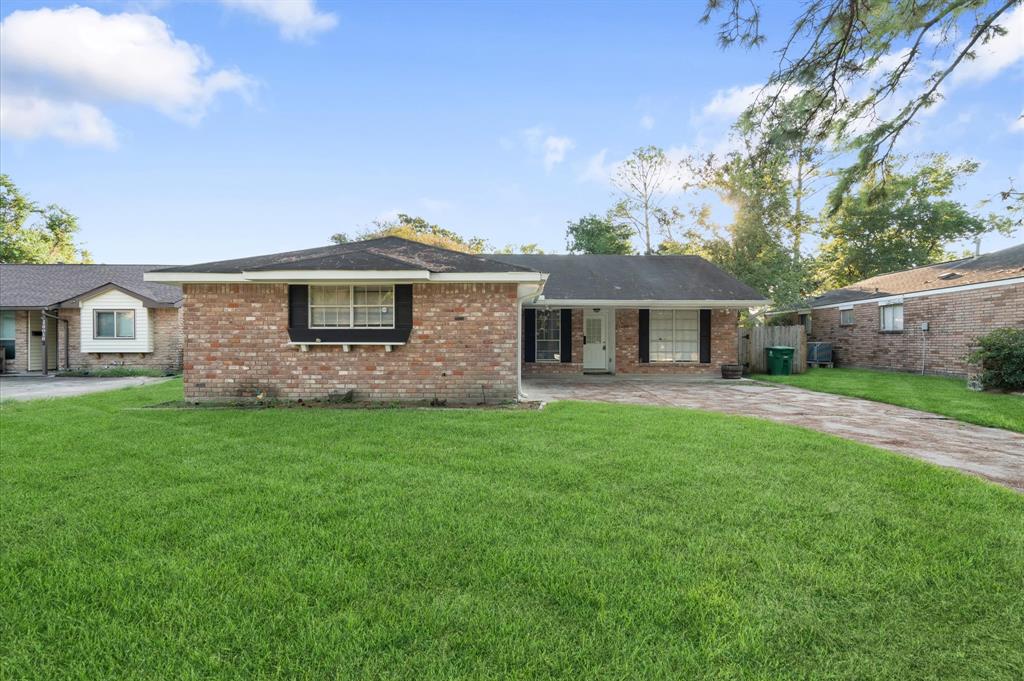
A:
(1000, 354)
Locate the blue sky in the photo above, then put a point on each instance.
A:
(223, 130)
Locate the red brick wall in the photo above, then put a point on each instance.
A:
(627, 346)
(573, 367)
(462, 347)
(954, 321)
(166, 327)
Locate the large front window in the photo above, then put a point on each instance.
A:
(348, 307)
(891, 317)
(675, 336)
(549, 335)
(118, 324)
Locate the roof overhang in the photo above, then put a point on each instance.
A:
(899, 297)
(674, 304)
(146, 301)
(310, 276)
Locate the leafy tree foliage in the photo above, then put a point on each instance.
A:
(530, 249)
(864, 70)
(30, 233)
(417, 229)
(895, 221)
(595, 234)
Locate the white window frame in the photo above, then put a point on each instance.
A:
(95, 324)
(881, 317)
(675, 339)
(847, 310)
(557, 355)
(351, 306)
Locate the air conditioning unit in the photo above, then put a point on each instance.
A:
(819, 353)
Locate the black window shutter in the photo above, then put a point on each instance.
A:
(298, 306)
(644, 334)
(566, 335)
(705, 336)
(529, 335)
(403, 306)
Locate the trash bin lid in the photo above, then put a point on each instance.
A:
(780, 347)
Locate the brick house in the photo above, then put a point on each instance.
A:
(922, 320)
(88, 317)
(392, 319)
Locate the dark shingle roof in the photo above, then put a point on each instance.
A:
(387, 253)
(46, 285)
(1004, 264)
(633, 277)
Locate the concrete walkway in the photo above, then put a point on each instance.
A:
(34, 387)
(991, 453)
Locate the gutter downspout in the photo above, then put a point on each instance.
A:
(531, 292)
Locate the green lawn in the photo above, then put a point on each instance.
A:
(946, 396)
(582, 541)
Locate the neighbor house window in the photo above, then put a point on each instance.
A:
(891, 317)
(549, 335)
(347, 307)
(675, 336)
(846, 317)
(113, 324)
(7, 333)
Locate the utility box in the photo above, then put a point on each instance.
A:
(779, 359)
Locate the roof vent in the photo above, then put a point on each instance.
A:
(950, 275)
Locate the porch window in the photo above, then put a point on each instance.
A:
(352, 307)
(846, 317)
(549, 335)
(114, 324)
(675, 336)
(891, 317)
(7, 333)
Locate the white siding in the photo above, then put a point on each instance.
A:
(116, 300)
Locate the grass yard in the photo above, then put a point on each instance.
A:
(584, 540)
(946, 396)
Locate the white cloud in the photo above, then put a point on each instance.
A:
(76, 59)
(998, 54)
(555, 149)
(597, 169)
(552, 148)
(29, 117)
(647, 122)
(731, 103)
(295, 19)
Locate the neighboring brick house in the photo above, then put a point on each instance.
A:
(922, 320)
(88, 317)
(393, 319)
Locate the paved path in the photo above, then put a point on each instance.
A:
(39, 387)
(992, 453)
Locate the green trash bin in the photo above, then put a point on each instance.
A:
(779, 359)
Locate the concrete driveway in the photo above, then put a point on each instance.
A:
(15, 387)
(991, 453)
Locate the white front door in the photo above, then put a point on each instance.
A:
(595, 341)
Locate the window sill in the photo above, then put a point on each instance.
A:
(347, 347)
(883, 331)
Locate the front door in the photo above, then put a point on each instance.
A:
(595, 341)
(35, 342)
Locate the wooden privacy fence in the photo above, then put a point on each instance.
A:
(753, 342)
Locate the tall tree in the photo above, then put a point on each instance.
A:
(895, 221)
(643, 181)
(758, 245)
(526, 249)
(596, 234)
(867, 70)
(418, 229)
(30, 233)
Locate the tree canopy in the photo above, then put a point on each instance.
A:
(894, 221)
(30, 233)
(418, 229)
(595, 234)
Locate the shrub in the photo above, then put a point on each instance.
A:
(1000, 354)
(116, 372)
